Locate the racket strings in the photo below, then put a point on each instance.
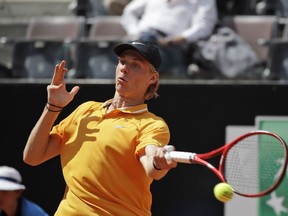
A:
(254, 164)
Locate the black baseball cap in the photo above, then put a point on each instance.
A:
(148, 50)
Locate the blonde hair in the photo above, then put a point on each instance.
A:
(153, 88)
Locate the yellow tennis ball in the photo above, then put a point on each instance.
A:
(223, 192)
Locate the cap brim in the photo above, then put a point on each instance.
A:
(10, 186)
(122, 47)
(147, 50)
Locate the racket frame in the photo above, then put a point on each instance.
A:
(193, 158)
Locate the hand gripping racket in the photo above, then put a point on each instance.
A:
(254, 164)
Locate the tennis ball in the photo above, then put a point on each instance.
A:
(223, 192)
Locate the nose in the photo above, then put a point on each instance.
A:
(124, 68)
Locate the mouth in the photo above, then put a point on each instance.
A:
(121, 79)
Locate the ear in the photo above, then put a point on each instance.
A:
(153, 78)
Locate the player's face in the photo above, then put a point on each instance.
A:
(133, 75)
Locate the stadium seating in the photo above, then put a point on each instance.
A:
(48, 41)
(95, 56)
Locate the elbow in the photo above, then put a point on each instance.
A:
(29, 161)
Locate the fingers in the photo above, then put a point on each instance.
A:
(162, 158)
(168, 158)
(168, 148)
(74, 90)
(59, 73)
(53, 87)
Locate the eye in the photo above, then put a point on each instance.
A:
(122, 62)
(135, 66)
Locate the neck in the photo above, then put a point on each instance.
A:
(120, 102)
(124, 103)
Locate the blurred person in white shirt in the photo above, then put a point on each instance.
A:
(171, 24)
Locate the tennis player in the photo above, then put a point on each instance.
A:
(110, 151)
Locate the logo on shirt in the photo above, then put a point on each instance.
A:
(119, 126)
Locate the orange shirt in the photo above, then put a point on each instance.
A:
(99, 159)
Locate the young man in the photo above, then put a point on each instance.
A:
(110, 152)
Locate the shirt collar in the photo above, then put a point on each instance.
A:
(141, 108)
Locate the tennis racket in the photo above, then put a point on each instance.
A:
(253, 164)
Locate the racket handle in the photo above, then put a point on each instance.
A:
(182, 157)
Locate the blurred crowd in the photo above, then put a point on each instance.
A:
(177, 27)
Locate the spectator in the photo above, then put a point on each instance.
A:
(12, 202)
(173, 25)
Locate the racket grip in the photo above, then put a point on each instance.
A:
(182, 157)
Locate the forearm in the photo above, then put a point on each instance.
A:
(37, 147)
